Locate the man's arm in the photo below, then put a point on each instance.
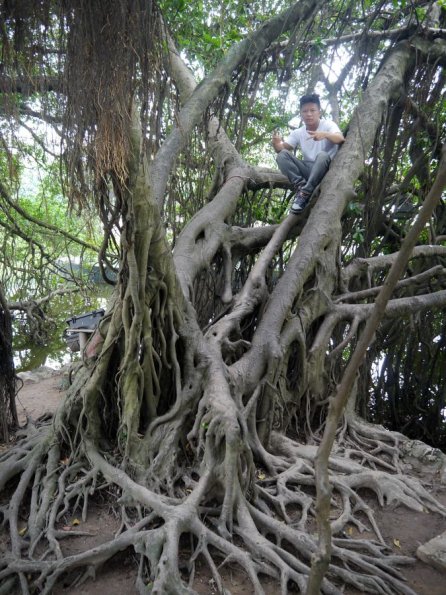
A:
(335, 137)
(279, 144)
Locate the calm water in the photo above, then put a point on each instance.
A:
(54, 353)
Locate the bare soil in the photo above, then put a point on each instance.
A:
(403, 530)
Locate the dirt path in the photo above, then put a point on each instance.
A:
(402, 529)
(41, 393)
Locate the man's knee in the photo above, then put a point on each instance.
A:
(283, 157)
(323, 158)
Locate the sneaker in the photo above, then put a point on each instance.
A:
(298, 185)
(301, 200)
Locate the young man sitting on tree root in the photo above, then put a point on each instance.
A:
(319, 140)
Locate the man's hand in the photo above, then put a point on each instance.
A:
(334, 137)
(277, 142)
(317, 134)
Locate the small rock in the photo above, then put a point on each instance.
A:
(37, 375)
(433, 552)
(423, 457)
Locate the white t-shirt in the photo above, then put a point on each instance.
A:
(311, 148)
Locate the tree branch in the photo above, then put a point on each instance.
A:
(5, 195)
(425, 276)
(24, 305)
(321, 231)
(190, 114)
(368, 266)
(339, 400)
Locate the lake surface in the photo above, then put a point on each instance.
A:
(54, 351)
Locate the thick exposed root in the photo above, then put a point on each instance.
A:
(264, 529)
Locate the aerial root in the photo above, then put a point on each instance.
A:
(50, 571)
(371, 444)
(264, 533)
(373, 573)
(396, 488)
(267, 547)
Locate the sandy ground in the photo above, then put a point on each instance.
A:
(41, 393)
(402, 529)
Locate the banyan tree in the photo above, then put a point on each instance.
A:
(254, 369)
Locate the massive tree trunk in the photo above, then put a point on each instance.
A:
(8, 411)
(189, 410)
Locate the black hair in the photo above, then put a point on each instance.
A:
(313, 98)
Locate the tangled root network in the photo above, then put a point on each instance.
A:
(259, 518)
